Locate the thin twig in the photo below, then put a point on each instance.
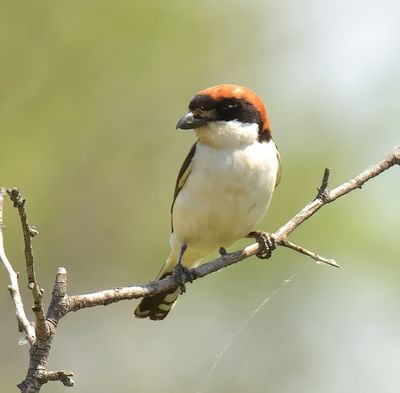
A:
(29, 232)
(350, 185)
(63, 376)
(311, 254)
(323, 190)
(14, 287)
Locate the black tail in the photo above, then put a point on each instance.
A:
(158, 306)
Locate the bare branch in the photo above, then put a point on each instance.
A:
(311, 254)
(63, 376)
(23, 321)
(323, 190)
(350, 185)
(59, 297)
(40, 350)
(37, 293)
(19, 203)
(79, 302)
(61, 303)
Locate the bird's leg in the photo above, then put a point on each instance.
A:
(266, 243)
(181, 272)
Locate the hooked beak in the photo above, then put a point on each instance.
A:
(191, 121)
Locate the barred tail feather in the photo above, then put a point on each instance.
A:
(158, 306)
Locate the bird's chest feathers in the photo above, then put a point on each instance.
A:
(226, 193)
(228, 175)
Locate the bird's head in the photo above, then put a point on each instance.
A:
(227, 116)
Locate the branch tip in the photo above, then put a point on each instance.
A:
(63, 376)
(323, 189)
(16, 197)
(62, 270)
(396, 155)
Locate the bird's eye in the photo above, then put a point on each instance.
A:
(228, 110)
(228, 107)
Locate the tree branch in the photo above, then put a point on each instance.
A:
(63, 376)
(61, 304)
(345, 188)
(311, 254)
(29, 232)
(23, 321)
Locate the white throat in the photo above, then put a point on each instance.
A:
(228, 134)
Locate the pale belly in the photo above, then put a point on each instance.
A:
(224, 197)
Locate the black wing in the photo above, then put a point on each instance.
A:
(279, 174)
(183, 174)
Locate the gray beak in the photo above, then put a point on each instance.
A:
(190, 121)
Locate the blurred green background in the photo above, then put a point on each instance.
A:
(90, 95)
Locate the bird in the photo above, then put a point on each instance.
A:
(224, 186)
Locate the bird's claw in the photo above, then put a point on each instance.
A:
(182, 275)
(266, 244)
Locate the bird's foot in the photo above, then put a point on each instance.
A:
(266, 243)
(182, 275)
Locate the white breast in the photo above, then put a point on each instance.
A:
(226, 194)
